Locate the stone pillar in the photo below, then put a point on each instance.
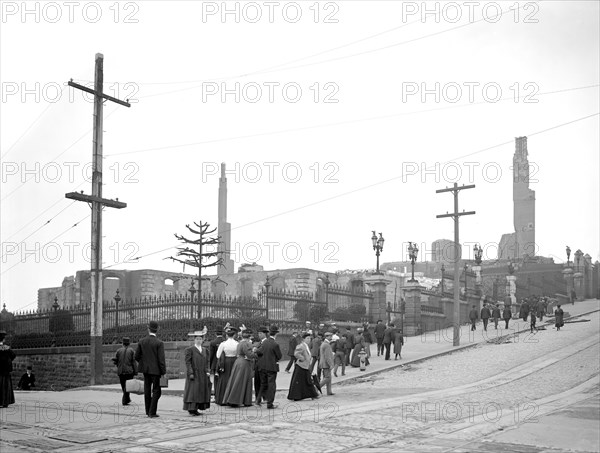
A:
(511, 286)
(412, 315)
(378, 284)
(568, 276)
(578, 282)
(596, 280)
(587, 277)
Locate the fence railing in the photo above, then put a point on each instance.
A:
(178, 314)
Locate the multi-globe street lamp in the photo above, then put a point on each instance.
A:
(267, 286)
(378, 247)
(413, 250)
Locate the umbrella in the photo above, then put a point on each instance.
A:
(316, 382)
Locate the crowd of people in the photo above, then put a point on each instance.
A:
(533, 308)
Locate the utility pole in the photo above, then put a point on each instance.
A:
(97, 203)
(457, 256)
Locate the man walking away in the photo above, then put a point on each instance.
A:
(268, 355)
(485, 316)
(388, 335)
(473, 315)
(379, 330)
(506, 315)
(126, 369)
(293, 342)
(150, 355)
(533, 321)
(326, 362)
(496, 315)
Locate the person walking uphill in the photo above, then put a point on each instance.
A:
(196, 393)
(485, 316)
(150, 355)
(126, 368)
(559, 317)
(506, 315)
(268, 355)
(388, 336)
(379, 330)
(473, 315)
(496, 315)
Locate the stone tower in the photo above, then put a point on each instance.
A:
(523, 203)
(224, 228)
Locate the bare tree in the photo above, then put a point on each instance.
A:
(195, 253)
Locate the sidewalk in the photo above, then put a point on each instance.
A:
(425, 346)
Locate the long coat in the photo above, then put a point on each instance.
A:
(268, 355)
(326, 355)
(196, 363)
(559, 314)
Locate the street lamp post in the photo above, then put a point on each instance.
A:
(326, 282)
(478, 254)
(192, 291)
(413, 250)
(378, 247)
(443, 270)
(466, 268)
(267, 286)
(117, 299)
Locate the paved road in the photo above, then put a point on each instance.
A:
(530, 393)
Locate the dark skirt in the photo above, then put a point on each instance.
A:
(223, 380)
(196, 393)
(356, 358)
(302, 385)
(7, 396)
(239, 387)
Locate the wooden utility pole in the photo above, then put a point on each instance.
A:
(97, 203)
(457, 257)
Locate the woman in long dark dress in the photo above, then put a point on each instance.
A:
(398, 343)
(7, 355)
(301, 385)
(196, 393)
(559, 316)
(226, 356)
(239, 387)
(359, 343)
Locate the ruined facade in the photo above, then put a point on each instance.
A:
(521, 243)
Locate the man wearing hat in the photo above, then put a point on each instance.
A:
(150, 355)
(268, 355)
(212, 352)
(326, 362)
(126, 369)
(27, 380)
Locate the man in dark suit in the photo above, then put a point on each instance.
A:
(126, 369)
(379, 330)
(150, 355)
(212, 355)
(268, 355)
(388, 335)
(294, 341)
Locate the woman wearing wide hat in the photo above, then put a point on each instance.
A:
(7, 355)
(196, 394)
(239, 386)
(302, 385)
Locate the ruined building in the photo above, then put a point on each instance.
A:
(521, 243)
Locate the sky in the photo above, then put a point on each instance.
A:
(334, 119)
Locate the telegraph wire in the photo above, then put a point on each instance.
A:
(32, 124)
(340, 123)
(52, 240)
(359, 189)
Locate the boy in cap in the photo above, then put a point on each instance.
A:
(150, 355)
(27, 380)
(126, 369)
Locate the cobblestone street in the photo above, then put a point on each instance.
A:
(492, 397)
